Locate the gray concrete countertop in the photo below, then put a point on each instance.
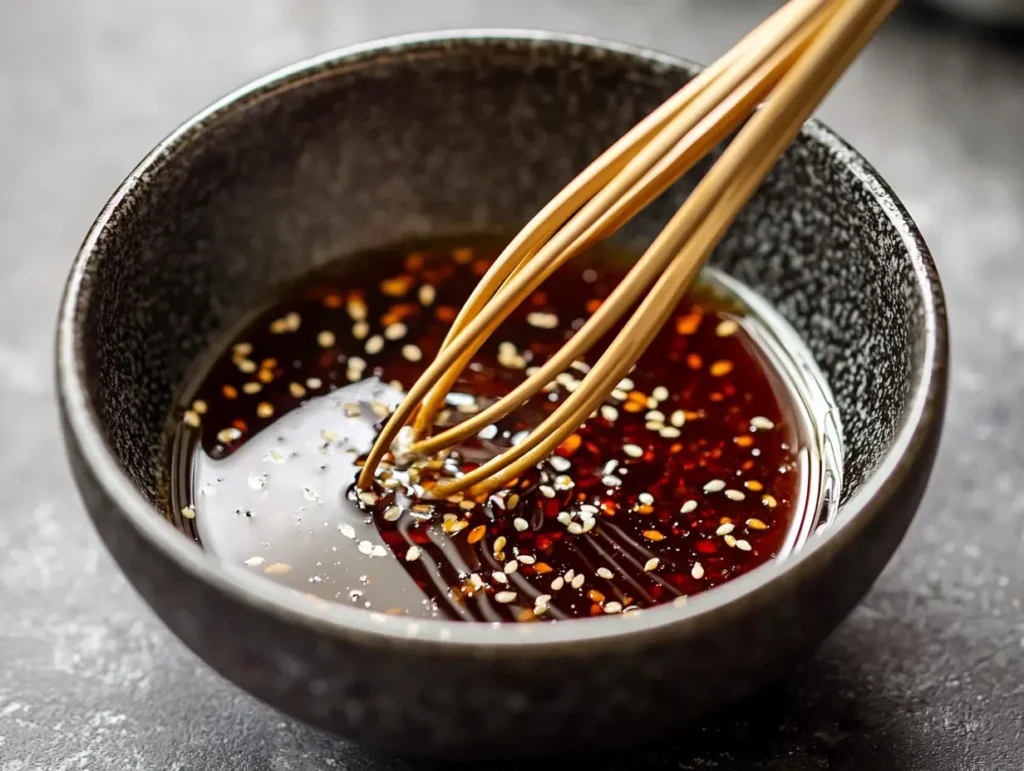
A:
(928, 673)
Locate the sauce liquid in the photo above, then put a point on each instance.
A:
(690, 473)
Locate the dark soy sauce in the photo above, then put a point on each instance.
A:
(717, 453)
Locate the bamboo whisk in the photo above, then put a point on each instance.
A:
(773, 79)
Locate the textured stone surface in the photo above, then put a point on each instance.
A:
(926, 674)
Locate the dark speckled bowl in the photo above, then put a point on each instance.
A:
(444, 134)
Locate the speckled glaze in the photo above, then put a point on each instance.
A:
(446, 134)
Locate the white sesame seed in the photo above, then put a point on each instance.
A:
(505, 597)
(605, 572)
(633, 450)
(542, 320)
(654, 425)
(698, 571)
(678, 419)
(374, 345)
(761, 424)
(575, 528)
(392, 514)
(412, 554)
(347, 530)
(577, 582)
(511, 567)
(379, 550)
(734, 495)
(730, 540)
(365, 547)
(645, 498)
(254, 561)
(589, 508)
(651, 564)
(368, 497)
(188, 512)
(500, 577)
(626, 384)
(191, 418)
(669, 432)
(395, 331)
(564, 517)
(526, 559)
(560, 464)
(655, 416)
(714, 486)
(356, 309)
(499, 544)
(325, 339)
(743, 545)
(246, 366)
(725, 528)
(557, 584)
(426, 294)
(619, 395)
(360, 330)
(546, 491)
(726, 328)
(610, 480)
(520, 524)
(314, 382)
(613, 607)
(589, 525)
(543, 599)
(570, 575)
(690, 505)
(609, 413)
(228, 435)
(660, 393)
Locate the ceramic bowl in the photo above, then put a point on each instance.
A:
(445, 134)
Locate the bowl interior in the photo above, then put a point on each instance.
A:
(448, 138)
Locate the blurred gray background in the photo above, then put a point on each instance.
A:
(928, 673)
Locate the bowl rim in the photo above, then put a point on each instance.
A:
(82, 421)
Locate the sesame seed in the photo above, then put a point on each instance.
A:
(669, 432)
(589, 525)
(761, 424)
(652, 564)
(228, 435)
(690, 505)
(365, 547)
(543, 599)
(254, 561)
(277, 569)
(678, 419)
(575, 528)
(368, 497)
(265, 410)
(610, 480)
(653, 535)
(411, 352)
(374, 345)
(511, 567)
(520, 524)
(645, 498)
(360, 330)
(542, 320)
(626, 385)
(756, 524)
(730, 541)
(633, 450)
(564, 517)
(654, 425)
(660, 393)
(395, 331)
(605, 573)
(314, 382)
(609, 413)
(426, 294)
(189, 512)
(252, 388)
(557, 584)
(560, 464)
(570, 575)
(619, 395)
(246, 366)
(499, 544)
(577, 581)
(698, 571)
(613, 607)
(769, 501)
(412, 554)
(655, 416)
(526, 559)
(505, 597)
(726, 328)
(743, 545)
(191, 418)
(379, 550)
(714, 486)
(734, 495)
(546, 491)
(725, 528)
(356, 309)
(392, 513)
(325, 339)
(297, 390)
(467, 505)
(242, 349)
(347, 530)
(352, 410)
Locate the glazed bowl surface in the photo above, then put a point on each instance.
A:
(447, 134)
